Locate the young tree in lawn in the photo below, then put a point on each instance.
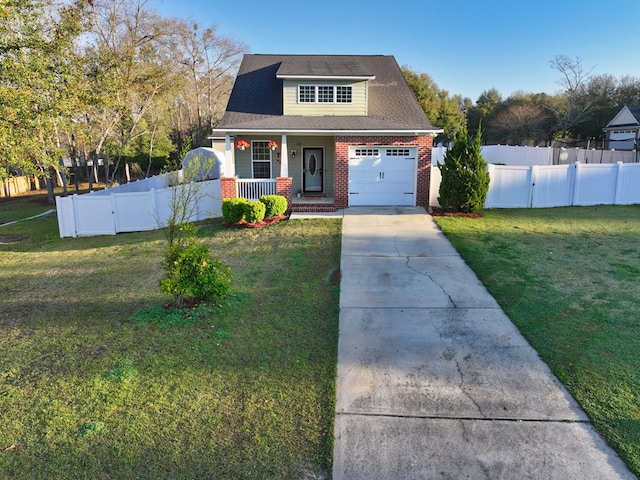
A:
(192, 275)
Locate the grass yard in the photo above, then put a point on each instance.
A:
(569, 279)
(98, 381)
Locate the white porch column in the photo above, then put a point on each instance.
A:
(229, 167)
(284, 157)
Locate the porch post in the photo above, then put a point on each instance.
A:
(284, 157)
(229, 167)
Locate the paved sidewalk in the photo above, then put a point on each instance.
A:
(434, 381)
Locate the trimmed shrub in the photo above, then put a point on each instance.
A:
(275, 205)
(233, 209)
(193, 274)
(465, 180)
(254, 211)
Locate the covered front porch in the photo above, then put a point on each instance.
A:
(299, 167)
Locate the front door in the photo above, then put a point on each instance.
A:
(312, 169)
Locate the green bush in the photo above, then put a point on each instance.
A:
(275, 205)
(193, 274)
(233, 209)
(465, 180)
(254, 211)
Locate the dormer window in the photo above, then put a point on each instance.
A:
(324, 94)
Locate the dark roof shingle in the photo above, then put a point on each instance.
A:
(256, 98)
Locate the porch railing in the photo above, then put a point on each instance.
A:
(252, 188)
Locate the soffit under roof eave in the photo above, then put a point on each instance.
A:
(389, 133)
(289, 76)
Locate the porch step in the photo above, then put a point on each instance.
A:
(313, 207)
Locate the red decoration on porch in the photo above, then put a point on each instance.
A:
(242, 144)
(272, 145)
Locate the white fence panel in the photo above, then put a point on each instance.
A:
(66, 222)
(210, 205)
(595, 184)
(434, 186)
(628, 187)
(522, 156)
(162, 202)
(112, 211)
(552, 185)
(510, 187)
(134, 212)
(93, 215)
(557, 185)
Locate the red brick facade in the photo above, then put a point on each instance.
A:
(341, 172)
(343, 143)
(228, 187)
(284, 188)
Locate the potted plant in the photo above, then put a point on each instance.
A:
(242, 144)
(299, 193)
(272, 145)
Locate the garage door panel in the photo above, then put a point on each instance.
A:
(385, 179)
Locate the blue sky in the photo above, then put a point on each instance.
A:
(466, 46)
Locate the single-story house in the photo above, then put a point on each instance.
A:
(623, 131)
(326, 131)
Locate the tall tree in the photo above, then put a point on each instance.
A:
(207, 63)
(38, 82)
(442, 110)
(575, 106)
(479, 114)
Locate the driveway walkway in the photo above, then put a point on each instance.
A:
(434, 381)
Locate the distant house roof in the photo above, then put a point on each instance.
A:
(628, 116)
(256, 101)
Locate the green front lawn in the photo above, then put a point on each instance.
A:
(97, 381)
(569, 280)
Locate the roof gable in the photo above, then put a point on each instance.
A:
(629, 115)
(257, 95)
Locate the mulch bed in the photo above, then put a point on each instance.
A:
(264, 223)
(7, 239)
(441, 212)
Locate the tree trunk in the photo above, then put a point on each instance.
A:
(50, 197)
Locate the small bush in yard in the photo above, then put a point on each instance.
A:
(193, 275)
(275, 205)
(465, 180)
(254, 212)
(233, 209)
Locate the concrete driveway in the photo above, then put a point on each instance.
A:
(434, 381)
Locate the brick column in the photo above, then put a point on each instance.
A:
(341, 172)
(284, 188)
(424, 171)
(228, 187)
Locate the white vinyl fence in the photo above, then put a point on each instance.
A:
(538, 186)
(132, 207)
(527, 156)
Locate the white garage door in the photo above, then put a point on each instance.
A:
(382, 176)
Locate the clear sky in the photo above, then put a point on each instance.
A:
(466, 46)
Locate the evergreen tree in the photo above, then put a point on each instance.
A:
(465, 180)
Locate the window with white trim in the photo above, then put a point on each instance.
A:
(343, 94)
(325, 94)
(260, 159)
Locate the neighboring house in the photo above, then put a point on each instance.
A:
(623, 131)
(346, 130)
